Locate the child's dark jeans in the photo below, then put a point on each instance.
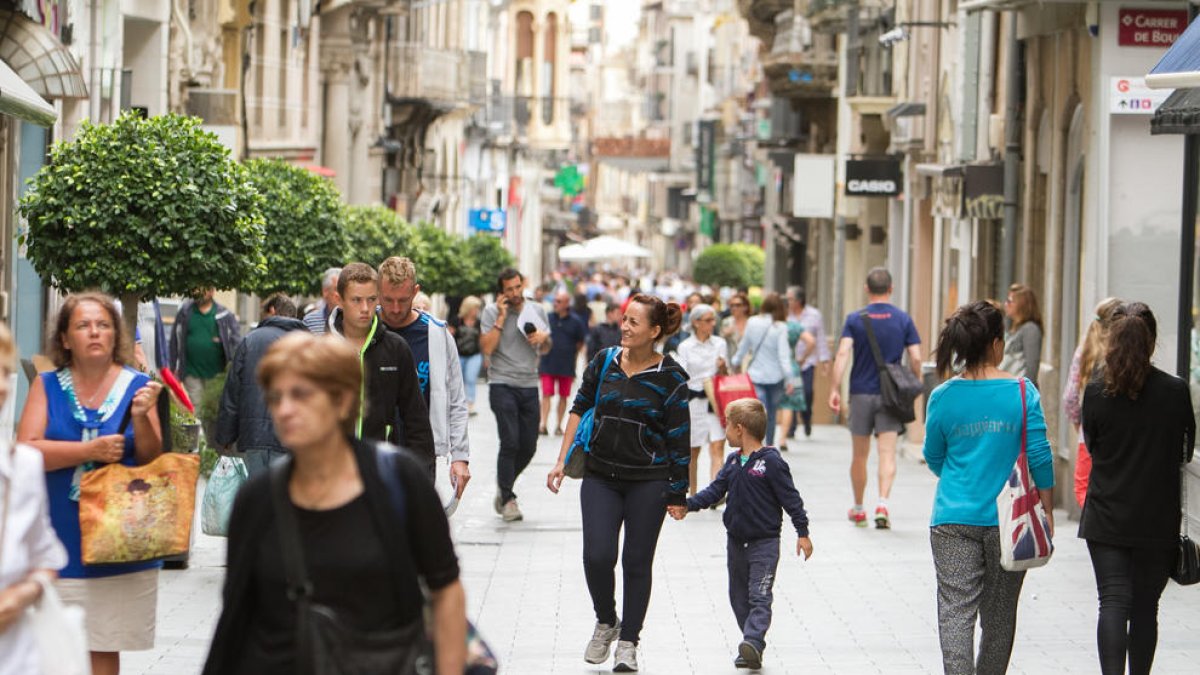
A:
(752, 567)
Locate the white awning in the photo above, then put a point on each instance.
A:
(602, 248)
(19, 100)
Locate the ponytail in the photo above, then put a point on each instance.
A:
(668, 316)
(966, 340)
(1131, 338)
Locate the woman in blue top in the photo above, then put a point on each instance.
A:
(972, 439)
(73, 416)
(770, 356)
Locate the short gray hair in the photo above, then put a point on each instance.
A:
(700, 311)
(329, 278)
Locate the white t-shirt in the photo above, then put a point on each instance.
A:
(699, 359)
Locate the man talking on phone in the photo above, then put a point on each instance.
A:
(514, 334)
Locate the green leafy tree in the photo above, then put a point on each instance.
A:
(142, 208)
(441, 267)
(376, 232)
(734, 265)
(304, 230)
(487, 257)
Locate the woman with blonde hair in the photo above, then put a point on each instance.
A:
(30, 553)
(465, 327)
(1086, 365)
(74, 416)
(1023, 342)
(338, 538)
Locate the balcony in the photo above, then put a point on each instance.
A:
(830, 16)
(448, 78)
(525, 119)
(760, 15)
(800, 65)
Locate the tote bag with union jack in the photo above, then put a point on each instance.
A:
(1024, 530)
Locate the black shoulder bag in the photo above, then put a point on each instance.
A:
(898, 386)
(1187, 565)
(326, 645)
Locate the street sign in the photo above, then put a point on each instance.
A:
(487, 220)
(1150, 27)
(1131, 96)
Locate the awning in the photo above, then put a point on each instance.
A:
(320, 170)
(906, 109)
(1180, 66)
(636, 164)
(19, 100)
(940, 170)
(38, 57)
(1179, 114)
(602, 248)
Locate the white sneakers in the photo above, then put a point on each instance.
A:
(602, 639)
(625, 660)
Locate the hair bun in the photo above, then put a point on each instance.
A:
(674, 319)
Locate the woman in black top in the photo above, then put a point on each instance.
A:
(1138, 425)
(636, 467)
(364, 553)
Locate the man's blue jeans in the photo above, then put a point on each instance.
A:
(752, 567)
(517, 416)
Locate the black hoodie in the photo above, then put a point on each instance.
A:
(243, 416)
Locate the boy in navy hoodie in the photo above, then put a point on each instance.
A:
(758, 486)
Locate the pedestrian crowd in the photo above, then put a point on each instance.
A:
(348, 415)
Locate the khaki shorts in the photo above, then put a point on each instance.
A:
(867, 416)
(121, 610)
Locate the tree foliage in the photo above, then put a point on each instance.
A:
(143, 208)
(733, 265)
(304, 230)
(441, 268)
(487, 257)
(376, 232)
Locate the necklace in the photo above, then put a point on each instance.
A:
(90, 401)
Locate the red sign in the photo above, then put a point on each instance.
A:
(1150, 27)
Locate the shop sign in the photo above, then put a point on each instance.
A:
(874, 178)
(705, 164)
(983, 191)
(813, 189)
(486, 220)
(1131, 96)
(1150, 27)
(947, 196)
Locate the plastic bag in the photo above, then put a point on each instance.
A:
(60, 635)
(227, 478)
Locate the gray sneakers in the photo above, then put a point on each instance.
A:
(602, 639)
(625, 660)
(510, 512)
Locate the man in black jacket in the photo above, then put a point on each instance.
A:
(389, 370)
(243, 416)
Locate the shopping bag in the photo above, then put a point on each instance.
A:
(59, 633)
(227, 478)
(136, 513)
(1024, 529)
(730, 388)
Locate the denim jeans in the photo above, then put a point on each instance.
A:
(806, 376)
(470, 370)
(518, 413)
(770, 395)
(752, 566)
(1129, 582)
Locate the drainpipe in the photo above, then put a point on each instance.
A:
(1012, 156)
(94, 61)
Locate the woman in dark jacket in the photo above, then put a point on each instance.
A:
(1138, 425)
(636, 467)
(365, 551)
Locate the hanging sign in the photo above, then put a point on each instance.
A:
(874, 178)
(1150, 27)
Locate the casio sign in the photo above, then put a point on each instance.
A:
(875, 187)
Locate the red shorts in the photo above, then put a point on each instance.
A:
(564, 383)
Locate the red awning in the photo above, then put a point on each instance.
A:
(321, 170)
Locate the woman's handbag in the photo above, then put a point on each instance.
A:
(1024, 530)
(59, 632)
(138, 513)
(228, 476)
(580, 445)
(1187, 566)
(730, 388)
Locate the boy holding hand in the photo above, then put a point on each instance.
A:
(759, 486)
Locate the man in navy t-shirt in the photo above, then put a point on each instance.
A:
(557, 369)
(896, 334)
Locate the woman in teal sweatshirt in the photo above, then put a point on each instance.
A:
(972, 440)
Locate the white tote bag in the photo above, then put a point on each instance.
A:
(60, 635)
(1024, 530)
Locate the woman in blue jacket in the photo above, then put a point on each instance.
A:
(972, 439)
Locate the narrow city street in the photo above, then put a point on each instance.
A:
(865, 602)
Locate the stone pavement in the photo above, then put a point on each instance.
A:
(865, 602)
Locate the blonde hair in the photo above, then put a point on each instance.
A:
(61, 323)
(397, 270)
(1093, 346)
(422, 302)
(330, 364)
(469, 303)
(8, 348)
(750, 413)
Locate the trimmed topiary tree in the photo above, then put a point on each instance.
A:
(304, 230)
(486, 257)
(375, 233)
(729, 265)
(756, 261)
(441, 266)
(142, 208)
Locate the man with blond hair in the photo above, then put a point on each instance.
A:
(439, 373)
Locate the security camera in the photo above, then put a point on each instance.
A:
(897, 34)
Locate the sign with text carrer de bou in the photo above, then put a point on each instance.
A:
(1150, 27)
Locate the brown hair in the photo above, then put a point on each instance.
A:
(1091, 351)
(332, 365)
(967, 337)
(1025, 306)
(61, 323)
(743, 298)
(1130, 344)
(356, 273)
(666, 315)
(773, 305)
(398, 270)
(750, 413)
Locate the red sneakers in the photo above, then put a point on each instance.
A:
(858, 517)
(882, 522)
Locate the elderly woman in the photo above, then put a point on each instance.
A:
(366, 523)
(30, 553)
(74, 416)
(466, 336)
(703, 355)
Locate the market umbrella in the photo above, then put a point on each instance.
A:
(601, 248)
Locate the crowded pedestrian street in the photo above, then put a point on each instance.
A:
(865, 602)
